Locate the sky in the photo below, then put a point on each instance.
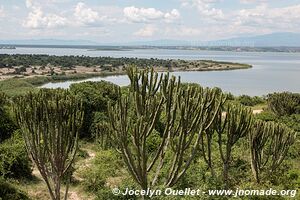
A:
(142, 20)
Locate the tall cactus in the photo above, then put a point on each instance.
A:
(134, 117)
(207, 137)
(269, 144)
(49, 121)
(197, 109)
(231, 127)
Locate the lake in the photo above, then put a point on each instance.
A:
(271, 72)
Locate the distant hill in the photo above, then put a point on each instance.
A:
(48, 42)
(268, 40)
(159, 43)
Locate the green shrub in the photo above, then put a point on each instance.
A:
(250, 101)
(107, 194)
(292, 121)
(7, 126)
(95, 96)
(106, 164)
(14, 160)
(16, 86)
(266, 116)
(9, 192)
(284, 103)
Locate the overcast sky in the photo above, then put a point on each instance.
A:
(134, 20)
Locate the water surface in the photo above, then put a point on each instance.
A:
(271, 72)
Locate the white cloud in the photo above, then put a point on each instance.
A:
(145, 15)
(2, 12)
(205, 8)
(29, 3)
(85, 14)
(146, 31)
(252, 1)
(36, 19)
(142, 14)
(172, 16)
(283, 18)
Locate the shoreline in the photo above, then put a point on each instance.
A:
(38, 76)
(38, 80)
(19, 79)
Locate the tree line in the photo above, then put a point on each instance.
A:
(7, 60)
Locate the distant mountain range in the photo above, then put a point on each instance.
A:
(48, 42)
(268, 40)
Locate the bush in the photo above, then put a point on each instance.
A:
(284, 103)
(266, 116)
(106, 193)
(9, 192)
(106, 164)
(292, 121)
(250, 101)
(7, 126)
(95, 96)
(14, 160)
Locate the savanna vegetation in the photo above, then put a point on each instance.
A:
(155, 133)
(7, 60)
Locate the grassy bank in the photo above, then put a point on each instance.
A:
(16, 86)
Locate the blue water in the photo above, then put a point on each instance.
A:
(271, 72)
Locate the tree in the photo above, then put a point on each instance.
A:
(232, 125)
(269, 144)
(49, 121)
(186, 113)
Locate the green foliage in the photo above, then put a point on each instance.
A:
(266, 116)
(7, 126)
(95, 96)
(292, 121)
(231, 128)
(14, 160)
(9, 192)
(106, 164)
(16, 86)
(50, 121)
(105, 193)
(186, 110)
(284, 103)
(250, 101)
(70, 61)
(269, 145)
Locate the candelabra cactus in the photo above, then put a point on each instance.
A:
(49, 121)
(208, 134)
(232, 125)
(284, 103)
(197, 109)
(269, 144)
(187, 114)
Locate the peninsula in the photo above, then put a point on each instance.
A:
(75, 67)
